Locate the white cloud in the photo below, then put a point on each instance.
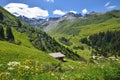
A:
(84, 11)
(59, 12)
(73, 12)
(107, 4)
(49, 0)
(111, 7)
(22, 9)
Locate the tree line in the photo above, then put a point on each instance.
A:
(104, 43)
(6, 35)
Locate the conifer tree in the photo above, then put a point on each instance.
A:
(1, 16)
(1, 32)
(9, 34)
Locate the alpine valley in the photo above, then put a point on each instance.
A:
(90, 44)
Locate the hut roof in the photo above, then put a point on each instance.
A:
(57, 55)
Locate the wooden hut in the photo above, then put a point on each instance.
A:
(58, 55)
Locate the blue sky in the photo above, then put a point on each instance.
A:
(52, 8)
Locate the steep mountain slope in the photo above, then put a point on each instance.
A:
(70, 27)
(20, 51)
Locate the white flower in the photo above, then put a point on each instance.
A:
(27, 67)
(71, 67)
(94, 56)
(9, 64)
(7, 73)
(14, 63)
(52, 74)
(62, 78)
(10, 68)
(79, 62)
(102, 66)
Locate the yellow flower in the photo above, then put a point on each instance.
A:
(37, 63)
(49, 72)
(36, 69)
(1, 75)
(37, 66)
(32, 68)
(41, 67)
(27, 62)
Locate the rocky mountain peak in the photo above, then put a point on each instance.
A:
(50, 22)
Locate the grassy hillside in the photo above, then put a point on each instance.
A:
(12, 52)
(22, 50)
(109, 25)
(69, 28)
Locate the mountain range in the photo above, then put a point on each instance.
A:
(49, 23)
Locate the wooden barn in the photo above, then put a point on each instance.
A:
(58, 55)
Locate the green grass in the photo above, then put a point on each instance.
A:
(22, 38)
(80, 71)
(12, 52)
(109, 25)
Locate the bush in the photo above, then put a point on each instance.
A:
(78, 47)
(65, 41)
(18, 42)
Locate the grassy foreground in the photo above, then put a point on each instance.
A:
(35, 70)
